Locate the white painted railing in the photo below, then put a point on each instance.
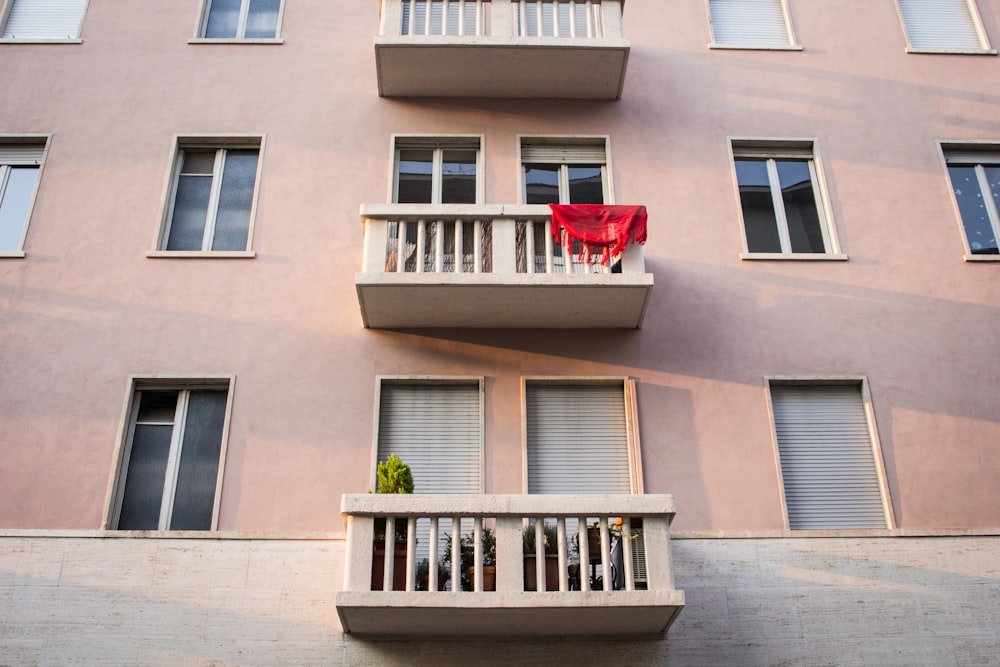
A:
(507, 517)
(558, 18)
(444, 17)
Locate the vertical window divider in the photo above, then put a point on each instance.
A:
(4, 178)
(241, 24)
(779, 205)
(173, 460)
(213, 199)
(991, 206)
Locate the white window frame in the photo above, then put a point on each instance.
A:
(126, 428)
(628, 386)
(34, 140)
(972, 154)
(220, 145)
(984, 43)
(861, 382)
(438, 143)
(559, 140)
(469, 380)
(7, 5)
(773, 150)
(792, 44)
(202, 26)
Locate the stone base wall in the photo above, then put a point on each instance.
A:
(802, 601)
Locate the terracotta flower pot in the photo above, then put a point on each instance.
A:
(398, 565)
(489, 576)
(551, 572)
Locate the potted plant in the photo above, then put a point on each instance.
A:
(393, 476)
(423, 575)
(550, 537)
(467, 555)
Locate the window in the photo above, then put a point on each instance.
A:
(42, 20)
(975, 180)
(170, 473)
(466, 17)
(830, 470)
(783, 208)
(943, 26)
(558, 18)
(241, 19)
(564, 173)
(19, 165)
(437, 170)
(212, 197)
(750, 24)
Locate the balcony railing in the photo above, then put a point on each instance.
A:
(624, 586)
(490, 266)
(501, 48)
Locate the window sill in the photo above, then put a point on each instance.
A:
(201, 254)
(756, 47)
(795, 256)
(207, 40)
(954, 52)
(11, 254)
(40, 40)
(982, 258)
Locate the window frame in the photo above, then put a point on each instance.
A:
(126, 429)
(35, 140)
(202, 26)
(985, 49)
(182, 143)
(469, 380)
(974, 154)
(6, 6)
(559, 140)
(628, 386)
(792, 149)
(792, 45)
(438, 143)
(860, 381)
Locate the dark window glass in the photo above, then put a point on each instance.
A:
(758, 207)
(415, 172)
(586, 184)
(147, 465)
(194, 497)
(458, 177)
(542, 183)
(232, 221)
(804, 227)
(972, 207)
(223, 19)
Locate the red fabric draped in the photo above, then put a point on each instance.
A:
(603, 231)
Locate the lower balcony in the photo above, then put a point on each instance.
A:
(495, 266)
(508, 566)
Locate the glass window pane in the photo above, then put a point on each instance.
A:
(262, 19)
(805, 230)
(223, 19)
(194, 497)
(147, 465)
(14, 205)
(458, 177)
(993, 178)
(187, 226)
(975, 217)
(586, 184)
(232, 222)
(415, 169)
(758, 208)
(542, 184)
(198, 163)
(157, 407)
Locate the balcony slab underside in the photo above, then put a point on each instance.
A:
(464, 615)
(546, 301)
(578, 68)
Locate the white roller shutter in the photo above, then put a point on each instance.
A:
(577, 439)
(827, 461)
(540, 153)
(749, 23)
(940, 24)
(45, 19)
(21, 154)
(435, 429)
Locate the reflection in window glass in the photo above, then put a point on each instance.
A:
(798, 196)
(415, 170)
(980, 228)
(15, 200)
(458, 177)
(586, 184)
(542, 183)
(758, 206)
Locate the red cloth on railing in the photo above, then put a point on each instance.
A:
(604, 231)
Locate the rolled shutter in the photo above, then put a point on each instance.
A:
(577, 439)
(21, 154)
(940, 24)
(563, 154)
(45, 19)
(749, 22)
(827, 460)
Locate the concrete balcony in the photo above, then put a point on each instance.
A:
(491, 266)
(642, 601)
(501, 48)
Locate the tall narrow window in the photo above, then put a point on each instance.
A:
(828, 465)
(781, 200)
(241, 19)
(42, 19)
(975, 181)
(943, 25)
(213, 197)
(750, 24)
(19, 165)
(171, 463)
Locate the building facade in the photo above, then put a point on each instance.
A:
(251, 248)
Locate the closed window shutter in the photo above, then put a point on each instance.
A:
(45, 19)
(827, 461)
(577, 439)
(940, 24)
(21, 154)
(749, 22)
(435, 430)
(563, 154)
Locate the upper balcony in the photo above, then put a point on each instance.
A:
(493, 266)
(619, 540)
(501, 48)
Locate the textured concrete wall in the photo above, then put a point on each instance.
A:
(835, 601)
